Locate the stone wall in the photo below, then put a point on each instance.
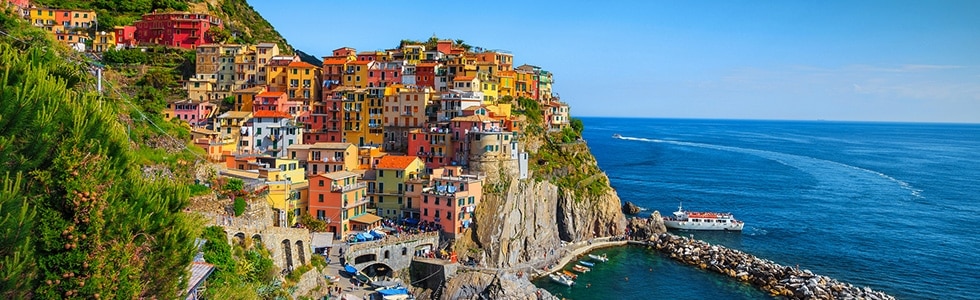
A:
(399, 250)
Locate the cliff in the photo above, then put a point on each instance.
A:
(525, 224)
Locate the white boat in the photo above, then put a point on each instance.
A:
(694, 220)
(580, 268)
(587, 264)
(602, 258)
(561, 279)
(617, 136)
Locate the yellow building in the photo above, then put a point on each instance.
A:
(413, 54)
(321, 158)
(245, 97)
(264, 52)
(356, 75)
(229, 125)
(506, 86)
(392, 173)
(246, 69)
(302, 78)
(43, 17)
(488, 85)
(104, 41)
(361, 117)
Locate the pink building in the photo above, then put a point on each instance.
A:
(450, 200)
(276, 101)
(176, 29)
(195, 113)
(433, 145)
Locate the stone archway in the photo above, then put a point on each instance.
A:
(287, 255)
(301, 252)
(240, 238)
(257, 239)
(378, 269)
(365, 258)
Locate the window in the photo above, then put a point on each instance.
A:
(462, 201)
(425, 199)
(449, 215)
(425, 212)
(320, 197)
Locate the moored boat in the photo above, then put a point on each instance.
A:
(694, 220)
(602, 258)
(561, 279)
(580, 268)
(587, 264)
(570, 274)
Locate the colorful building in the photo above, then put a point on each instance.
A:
(245, 98)
(303, 81)
(324, 120)
(450, 200)
(176, 29)
(392, 173)
(340, 199)
(433, 145)
(125, 35)
(453, 102)
(276, 101)
(233, 125)
(274, 131)
(104, 41)
(404, 109)
(193, 112)
(322, 158)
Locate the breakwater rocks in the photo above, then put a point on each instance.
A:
(778, 280)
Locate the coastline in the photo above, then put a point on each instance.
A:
(575, 254)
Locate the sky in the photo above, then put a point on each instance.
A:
(897, 60)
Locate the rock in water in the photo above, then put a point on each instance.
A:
(630, 209)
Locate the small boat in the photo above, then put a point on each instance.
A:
(694, 220)
(580, 269)
(617, 136)
(561, 279)
(587, 264)
(602, 258)
(570, 274)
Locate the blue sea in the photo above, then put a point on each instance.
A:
(891, 206)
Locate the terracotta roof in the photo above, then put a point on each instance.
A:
(397, 162)
(463, 78)
(301, 64)
(254, 89)
(271, 114)
(271, 94)
(360, 62)
(428, 64)
(334, 61)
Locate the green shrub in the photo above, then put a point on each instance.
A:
(199, 189)
(239, 206)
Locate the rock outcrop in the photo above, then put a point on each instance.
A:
(642, 229)
(503, 285)
(630, 209)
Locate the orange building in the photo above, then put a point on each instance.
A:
(340, 200)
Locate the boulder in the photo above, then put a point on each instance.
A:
(630, 209)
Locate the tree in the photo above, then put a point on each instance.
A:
(235, 185)
(101, 229)
(577, 125)
(218, 34)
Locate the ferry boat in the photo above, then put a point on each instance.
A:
(693, 220)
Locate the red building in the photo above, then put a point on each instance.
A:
(425, 75)
(176, 29)
(433, 145)
(324, 124)
(125, 35)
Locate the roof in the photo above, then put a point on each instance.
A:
(473, 118)
(397, 162)
(321, 239)
(301, 64)
(463, 78)
(366, 219)
(334, 61)
(235, 115)
(361, 62)
(428, 64)
(271, 114)
(199, 273)
(272, 94)
(327, 145)
(254, 89)
(338, 175)
(263, 45)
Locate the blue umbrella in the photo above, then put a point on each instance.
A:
(394, 291)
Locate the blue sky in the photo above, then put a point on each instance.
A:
(915, 61)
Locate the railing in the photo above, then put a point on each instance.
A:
(348, 187)
(392, 240)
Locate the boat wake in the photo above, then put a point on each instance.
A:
(788, 160)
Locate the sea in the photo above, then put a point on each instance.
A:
(891, 206)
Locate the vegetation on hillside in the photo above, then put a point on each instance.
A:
(77, 217)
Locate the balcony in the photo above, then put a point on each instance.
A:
(347, 188)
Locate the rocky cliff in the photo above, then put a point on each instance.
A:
(521, 224)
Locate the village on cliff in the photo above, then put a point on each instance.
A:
(365, 137)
